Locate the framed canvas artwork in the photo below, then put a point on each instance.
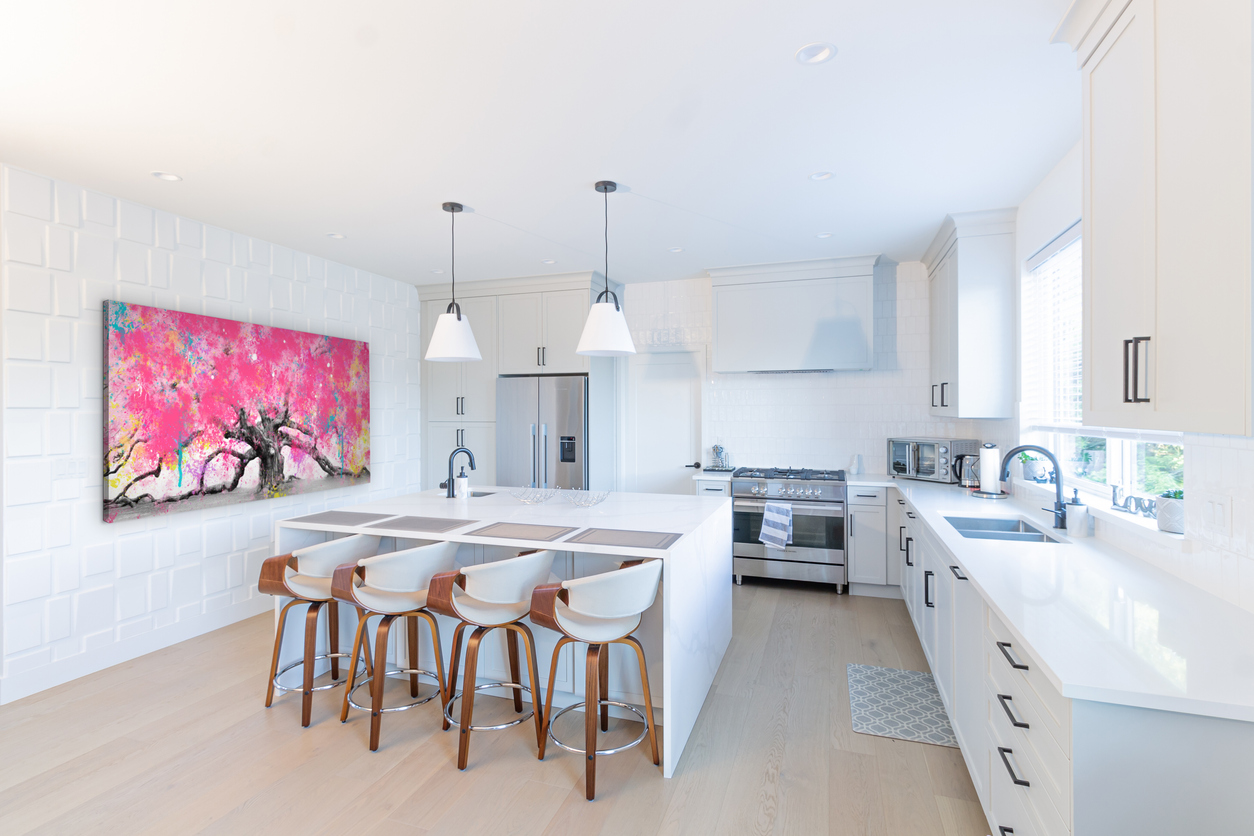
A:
(201, 411)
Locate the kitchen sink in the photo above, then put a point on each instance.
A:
(482, 493)
(993, 528)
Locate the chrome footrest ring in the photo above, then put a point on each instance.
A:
(397, 672)
(616, 749)
(448, 709)
(335, 684)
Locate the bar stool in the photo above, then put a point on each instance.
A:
(600, 610)
(393, 586)
(486, 597)
(305, 576)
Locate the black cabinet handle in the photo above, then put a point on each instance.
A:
(927, 589)
(720, 490)
(901, 502)
(909, 542)
(538, 363)
(933, 395)
(1002, 830)
(1003, 751)
(1004, 699)
(901, 539)
(544, 355)
(958, 574)
(943, 385)
(868, 495)
(910, 514)
(1004, 648)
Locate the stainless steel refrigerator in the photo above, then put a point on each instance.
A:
(542, 431)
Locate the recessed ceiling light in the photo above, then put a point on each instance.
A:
(336, 235)
(437, 271)
(824, 235)
(815, 53)
(165, 175)
(548, 261)
(822, 175)
(676, 250)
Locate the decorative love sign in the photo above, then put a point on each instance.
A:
(202, 412)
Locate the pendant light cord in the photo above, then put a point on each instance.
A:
(606, 195)
(452, 234)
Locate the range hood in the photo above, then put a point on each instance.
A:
(796, 317)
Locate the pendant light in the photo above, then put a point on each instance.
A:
(605, 333)
(452, 341)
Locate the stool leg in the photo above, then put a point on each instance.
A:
(648, 699)
(515, 675)
(590, 682)
(365, 643)
(412, 636)
(533, 673)
(468, 694)
(548, 696)
(603, 685)
(380, 677)
(362, 621)
(439, 652)
(454, 661)
(333, 636)
(311, 649)
(278, 644)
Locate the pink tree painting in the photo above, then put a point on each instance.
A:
(201, 411)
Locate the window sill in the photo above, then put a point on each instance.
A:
(1134, 523)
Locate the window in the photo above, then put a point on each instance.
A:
(1052, 325)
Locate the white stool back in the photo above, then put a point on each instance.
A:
(619, 594)
(319, 561)
(409, 570)
(509, 581)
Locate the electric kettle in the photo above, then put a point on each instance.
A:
(968, 470)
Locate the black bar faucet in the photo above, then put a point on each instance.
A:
(1060, 506)
(451, 493)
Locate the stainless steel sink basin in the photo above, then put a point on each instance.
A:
(992, 528)
(482, 493)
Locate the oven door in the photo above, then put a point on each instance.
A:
(927, 460)
(901, 456)
(818, 532)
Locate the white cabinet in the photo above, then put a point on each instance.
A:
(800, 316)
(462, 391)
(969, 703)
(896, 537)
(713, 487)
(1167, 213)
(539, 332)
(865, 528)
(971, 278)
(443, 437)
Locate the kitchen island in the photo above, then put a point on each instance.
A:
(685, 633)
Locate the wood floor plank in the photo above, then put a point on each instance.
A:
(179, 741)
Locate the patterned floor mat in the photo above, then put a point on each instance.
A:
(902, 704)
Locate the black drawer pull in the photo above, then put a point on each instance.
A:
(1002, 830)
(1006, 698)
(1019, 782)
(1004, 648)
(927, 593)
(958, 574)
(868, 495)
(909, 542)
(901, 539)
(910, 514)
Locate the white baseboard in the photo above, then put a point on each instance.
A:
(19, 685)
(875, 590)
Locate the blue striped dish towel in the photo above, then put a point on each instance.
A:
(776, 525)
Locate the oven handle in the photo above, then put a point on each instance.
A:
(807, 509)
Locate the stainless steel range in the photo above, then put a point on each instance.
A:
(817, 550)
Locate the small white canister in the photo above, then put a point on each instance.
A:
(1077, 520)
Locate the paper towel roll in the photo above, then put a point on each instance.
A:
(990, 469)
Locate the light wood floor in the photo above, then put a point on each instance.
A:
(179, 742)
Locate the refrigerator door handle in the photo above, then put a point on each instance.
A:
(533, 456)
(544, 435)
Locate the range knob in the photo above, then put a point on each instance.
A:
(754, 489)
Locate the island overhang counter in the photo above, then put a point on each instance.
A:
(685, 633)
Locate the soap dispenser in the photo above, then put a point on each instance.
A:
(1077, 516)
(461, 485)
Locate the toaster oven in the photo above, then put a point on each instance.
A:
(930, 459)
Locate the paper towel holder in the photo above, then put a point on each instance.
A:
(997, 494)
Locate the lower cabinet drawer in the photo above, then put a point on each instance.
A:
(1009, 657)
(713, 488)
(1010, 816)
(866, 496)
(1018, 769)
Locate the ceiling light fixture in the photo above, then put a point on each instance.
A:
(822, 175)
(675, 250)
(824, 235)
(167, 176)
(816, 53)
(605, 333)
(452, 341)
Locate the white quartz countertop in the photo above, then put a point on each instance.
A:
(670, 513)
(1103, 624)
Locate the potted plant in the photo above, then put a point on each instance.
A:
(1033, 469)
(1170, 507)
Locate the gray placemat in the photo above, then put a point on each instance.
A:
(435, 525)
(523, 531)
(341, 518)
(888, 702)
(625, 538)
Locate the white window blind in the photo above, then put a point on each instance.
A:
(1052, 338)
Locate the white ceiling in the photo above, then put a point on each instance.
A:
(289, 120)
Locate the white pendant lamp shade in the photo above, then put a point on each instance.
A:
(605, 332)
(452, 340)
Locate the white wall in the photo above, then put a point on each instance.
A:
(79, 594)
(809, 420)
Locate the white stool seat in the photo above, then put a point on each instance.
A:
(594, 630)
(382, 601)
(311, 578)
(308, 586)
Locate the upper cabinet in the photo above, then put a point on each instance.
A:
(800, 316)
(1167, 212)
(462, 391)
(971, 276)
(539, 332)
